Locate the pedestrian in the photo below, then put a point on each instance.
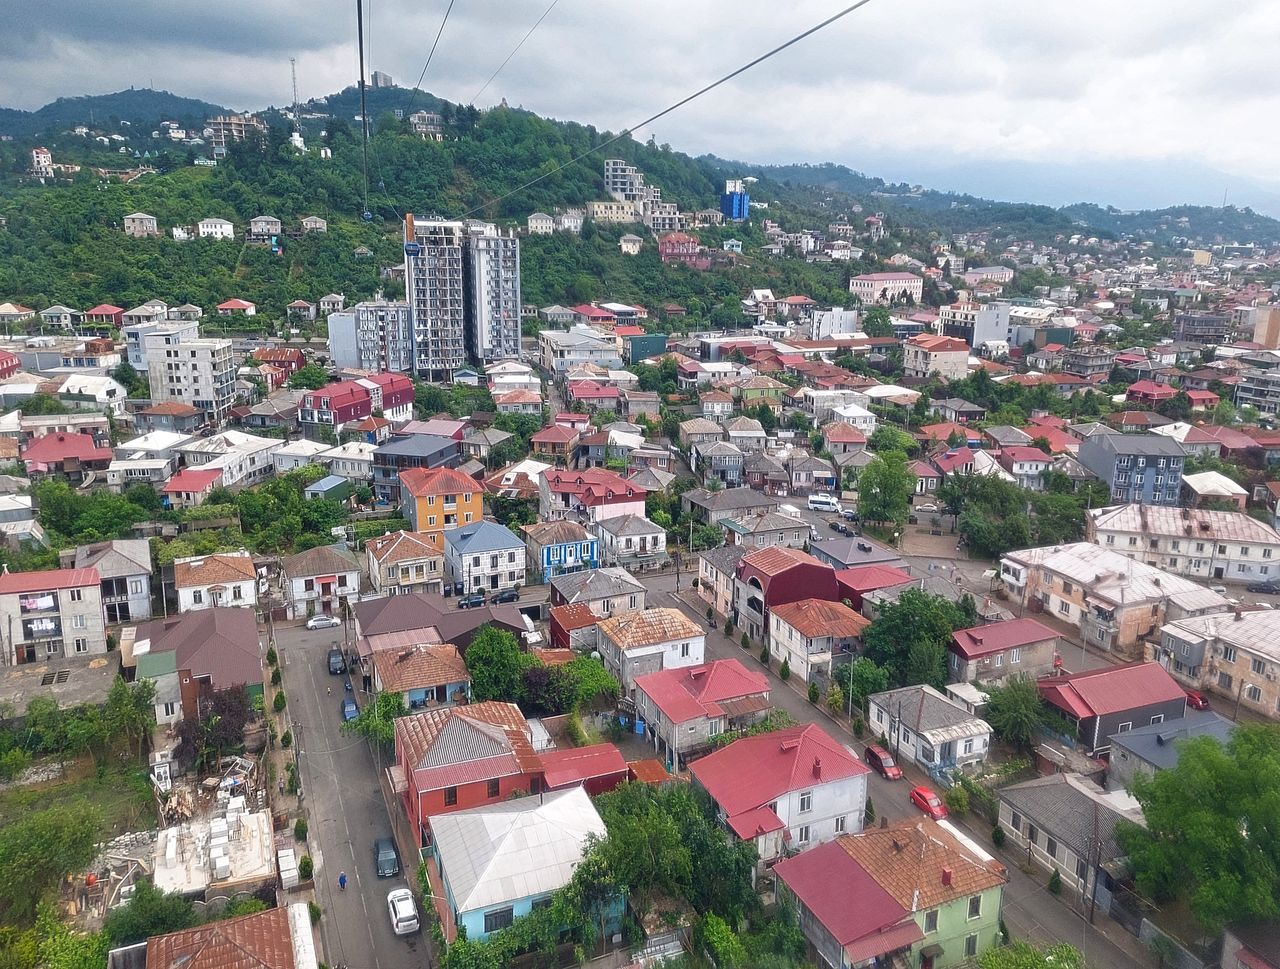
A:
(342, 881)
(280, 784)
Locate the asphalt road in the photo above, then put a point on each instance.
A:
(346, 813)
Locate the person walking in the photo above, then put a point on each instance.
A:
(342, 881)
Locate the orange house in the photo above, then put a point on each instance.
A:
(436, 499)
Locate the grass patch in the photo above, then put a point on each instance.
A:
(121, 792)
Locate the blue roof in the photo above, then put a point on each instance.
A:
(328, 483)
(482, 536)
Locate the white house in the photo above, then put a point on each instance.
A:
(859, 417)
(921, 724)
(320, 581)
(205, 581)
(215, 229)
(243, 459)
(631, 541)
(297, 454)
(352, 460)
(648, 640)
(810, 633)
(541, 224)
(485, 557)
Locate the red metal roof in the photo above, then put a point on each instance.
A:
(555, 434)
(996, 637)
(753, 823)
(692, 692)
(1096, 693)
(17, 582)
(235, 304)
(564, 768)
(421, 482)
(868, 578)
(192, 481)
(58, 447)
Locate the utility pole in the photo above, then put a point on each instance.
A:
(293, 71)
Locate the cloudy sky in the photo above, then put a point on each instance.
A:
(1135, 102)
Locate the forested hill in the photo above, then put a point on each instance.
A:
(1202, 223)
(137, 106)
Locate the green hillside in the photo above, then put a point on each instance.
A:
(138, 106)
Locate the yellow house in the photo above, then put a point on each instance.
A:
(436, 499)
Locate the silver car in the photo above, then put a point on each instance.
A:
(404, 914)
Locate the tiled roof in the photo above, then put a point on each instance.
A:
(776, 560)
(559, 532)
(648, 627)
(261, 940)
(842, 432)
(689, 693)
(868, 578)
(321, 560)
(486, 730)
(996, 637)
(12, 583)
(400, 546)
(213, 570)
(421, 482)
(1096, 693)
(909, 860)
(170, 408)
(575, 615)
(419, 666)
(812, 618)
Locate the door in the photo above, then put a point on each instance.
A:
(1218, 572)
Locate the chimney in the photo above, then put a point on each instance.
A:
(946, 875)
(898, 846)
(817, 767)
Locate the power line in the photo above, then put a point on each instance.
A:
(475, 97)
(679, 104)
(430, 54)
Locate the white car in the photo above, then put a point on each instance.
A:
(404, 914)
(323, 622)
(928, 506)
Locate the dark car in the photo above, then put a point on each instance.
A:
(1269, 587)
(337, 662)
(839, 528)
(349, 710)
(385, 858)
(507, 595)
(473, 601)
(882, 762)
(1197, 700)
(849, 515)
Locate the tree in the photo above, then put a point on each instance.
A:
(861, 679)
(889, 438)
(497, 665)
(910, 636)
(1023, 955)
(219, 728)
(1176, 408)
(311, 377)
(1210, 829)
(885, 488)
(40, 848)
(149, 912)
(877, 322)
(130, 710)
(376, 720)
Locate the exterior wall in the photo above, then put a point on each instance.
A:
(806, 657)
(487, 571)
(1035, 842)
(955, 929)
(1096, 732)
(1034, 659)
(435, 513)
(126, 598)
(423, 805)
(906, 744)
(58, 624)
(319, 598)
(715, 588)
(627, 664)
(675, 738)
(1197, 556)
(244, 593)
(409, 575)
(635, 551)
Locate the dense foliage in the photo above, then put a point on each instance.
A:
(909, 638)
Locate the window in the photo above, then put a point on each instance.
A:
(1015, 821)
(1257, 667)
(1051, 846)
(135, 586)
(499, 918)
(82, 645)
(802, 836)
(931, 920)
(975, 906)
(1224, 681)
(684, 650)
(1015, 656)
(1067, 588)
(806, 802)
(1032, 833)
(968, 746)
(840, 824)
(77, 595)
(1125, 727)
(493, 787)
(78, 622)
(237, 592)
(1228, 654)
(970, 945)
(170, 709)
(1082, 869)
(450, 796)
(197, 596)
(1064, 606)
(1252, 694)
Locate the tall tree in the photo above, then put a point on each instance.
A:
(909, 638)
(885, 487)
(497, 665)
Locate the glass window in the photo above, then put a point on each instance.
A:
(498, 919)
(931, 920)
(971, 945)
(493, 787)
(450, 796)
(806, 802)
(975, 906)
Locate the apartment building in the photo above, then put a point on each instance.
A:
(1234, 654)
(925, 355)
(435, 499)
(136, 332)
(373, 335)
(333, 406)
(871, 288)
(1141, 468)
(51, 616)
(224, 130)
(974, 323)
(491, 271)
(1200, 327)
(1088, 360)
(196, 371)
(1224, 546)
(435, 288)
(140, 225)
(616, 213)
(1260, 389)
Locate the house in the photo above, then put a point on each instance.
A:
(745, 433)
(405, 452)
(925, 355)
(334, 406)
(1149, 393)
(1066, 823)
(684, 708)
(541, 224)
(189, 487)
(632, 542)
(808, 634)
(124, 567)
(1212, 486)
(770, 577)
(263, 227)
(785, 790)
(451, 758)
(712, 507)
(52, 615)
(894, 288)
(591, 495)
(857, 583)
(718, 461)
(208, 581)
(1115, 601)
(1144, 468)
(716, 405)
(1141, 752)
(324, 580)
(556, 547)
(139, 225)
(809, 473)
(499, 862)
(630, 244)
(74, 457)
(1027, 465)
(403, 562)
(596, 768)
(842, 437)
(556, 441)
(237, 307)
(605, 591)
(352, 460)
(699, 430)
(313, 223)
(995, 651)
(425, 676)
(288, 359)
(1236, 655)
(648, 640)
(716, 576)
(242, 459)
(215, 229)
(958, 410)
(1104, 702)
(853, 552)
(436, 499)
(767, 529)
(297, 454)
(1196, 542)
(391, 622)
(484, 557)
(924, 727)
(518, 402)
(192, 655)
(275, 938)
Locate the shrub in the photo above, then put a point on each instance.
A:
(813, 692)
(286, 739)
(278, 703)
(727, 950)
(784, 671)
(957, 800)
(745, 641)
(859, 727)
(300, 829)
(13, 762)
(997, 836)
(314, 911)
(574, 730)
(869, 815)
(306, 867)
(764, 654)
(272, 658)
(1055, 882)
(728, 625)
(275, 676)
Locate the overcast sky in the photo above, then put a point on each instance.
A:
(974, 95)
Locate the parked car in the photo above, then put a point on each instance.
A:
(1197, 700)
(840, 528)
(849, 515)
(323, 622)
(507, 595)
(337, 662)
(823, 502)
(404, 914)
(349, 710)
(928, 506)
(928, 802)
(1269, 587)
(472, 601)
(385, 859)
(882, 762)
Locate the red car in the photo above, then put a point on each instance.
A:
(1197, 700)
(928, 802)
(882, 762)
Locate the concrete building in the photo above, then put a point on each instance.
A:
(993, 652)
(208, 581)
(872, 288)
(924, 727)
(1143, 751)
(51, 616)
(324, 580)
(1141, 468)
(810, 633)
(684, 708)
(124, 566)
(974, 323)
(491, 269)
(135, 334)
(404, 562)
(925, 355)
(199, 372)
(435, 288)
(1234, 655)
(649, 640)
(139, 225)
(373, 335)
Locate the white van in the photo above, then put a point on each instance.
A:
(824, 503)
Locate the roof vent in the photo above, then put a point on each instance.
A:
(899, 846)
(791, 743)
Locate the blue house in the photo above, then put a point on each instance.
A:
(1143, 469)
(425, 676)
(558, 547)
(498, 862)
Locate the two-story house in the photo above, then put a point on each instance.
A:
(995, 651)
(648, 640)
(766, 530)
(1104, 702)
(557, 547)
(785, 790)
(683, 708)
(124, 565)
(425, 676)
(324, 580)
(484, 557)
(404, 562)
(632, 542)
(1027, 465)
(591, 495)
(1141, 468)
(923, 726)
(769, 577)
(925, 355)
(437, 499)
(1236, 655)
(604, 591)
(52, 615)
(206, 581)
(716, 570)
(808, 634)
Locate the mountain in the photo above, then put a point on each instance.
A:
(136, 106)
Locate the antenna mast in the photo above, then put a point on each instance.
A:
(364, 111)
(293, 71)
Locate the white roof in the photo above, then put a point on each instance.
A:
(515, 849)
(228, 442)
(352, 450)
(91, 385)
(302, 449)
(1213, 484)
(1257, 631)
(155, 441)
(1108, 575)
(852, 410)
(889, 390)
(1188, 523)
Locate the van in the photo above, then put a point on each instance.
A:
(824, 503)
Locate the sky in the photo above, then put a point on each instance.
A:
(1130, 103)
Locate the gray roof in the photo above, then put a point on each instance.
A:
(652, 479)
(1007, 434)
(1147, 445)
(462, 740)
(729, 498)
(743, 425)
(595, 584)
(725, 559)
(850, 552)
(1158, 743)
(115, 559)
(482, 536)
(624, 525)
(1062, 806)
(416, 445)
(926, 711)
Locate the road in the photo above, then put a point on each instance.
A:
(345, 811)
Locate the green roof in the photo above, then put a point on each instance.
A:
(152, 665)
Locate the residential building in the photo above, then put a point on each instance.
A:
(712, 507)
(604, 591)
(425, 676)
(327, 410)
(1144, 751)
(1259, 388)
(926, 728)
(871, 288)
(718, 461)
(1027, 465)
(190, 487)
(484, 557)
(491, 265)
(540, 224)
(187, 369)
(717, 568)
(209, 581)
(124, 567)
(1201, 327)
(73, 457)
(632, 542)
(677, 247)
(810, 633)
(648, 640)
(1236, 655)
(766, 529)
(769, 577)
(925, 355)
(557, 547)
(562, 351)
(1141, 468)
(993, 652)
(353, 460)
(1103, 702)
(275, 938)
(1066, 823)
(403, 562)
(408, 452)
(139, 225)
(785, 790)
(241, 459)
(437, 295)
(51, 615)
(1114, 601)
(1088, 360)
(593, 495)
(324, 580)
(974, 323)
(684, 708)
(373, 335)
(297, 454)
(226, 129)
